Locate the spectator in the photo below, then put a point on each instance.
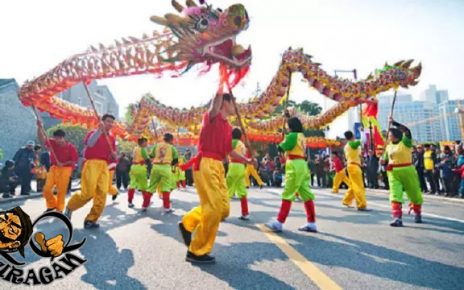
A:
(188, 172)
(418, 159)
(429, 165)
(24, 162)
(445, 167)
(436, 170)
(39, 169)
(122, 171)
(372, 170)
(45, 159)
(319, 168)
(8, 179)
(460, 170)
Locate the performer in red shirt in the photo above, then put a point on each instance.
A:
(60, 171)
(340, 173)
(95, 175)
(214, 145)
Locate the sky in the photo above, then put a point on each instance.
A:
(339, 34)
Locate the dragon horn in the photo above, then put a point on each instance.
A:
(418, 69)
(407, 64)
(399, 63)
(159, 20)
(177, 6)
(191, 3)
(369, 77)
(175, 20)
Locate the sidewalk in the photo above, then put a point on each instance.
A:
(385, 192)
(76, 185)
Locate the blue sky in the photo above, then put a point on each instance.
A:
(361, 34)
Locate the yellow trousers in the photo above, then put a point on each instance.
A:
(355, 187)
(57, 177)
(112, 190)
(203, 221)
(338, 179)
(250, 170)
(94, 185)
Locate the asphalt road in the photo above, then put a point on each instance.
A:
(354, 250)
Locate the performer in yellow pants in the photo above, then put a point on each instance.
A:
(356, 185)
(208, 173)
(112, 190)
(340, 173)
(60, 172)
(95, 173)
(251, 170)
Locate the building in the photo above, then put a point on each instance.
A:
(17, 123)
(450, 120)
(434, 96)
(419, 116)
(103, 99)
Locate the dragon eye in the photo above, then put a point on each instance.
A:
(238, 21)
(202, 24)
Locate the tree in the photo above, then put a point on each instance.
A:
(126, 146)
(74, 134)
(1, 154)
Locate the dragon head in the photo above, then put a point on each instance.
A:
(402, 74)
(206, 34)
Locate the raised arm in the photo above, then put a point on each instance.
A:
(216, 105)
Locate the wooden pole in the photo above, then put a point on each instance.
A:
(107, 137)
(239, 119)
(42, 130)
(391, 115)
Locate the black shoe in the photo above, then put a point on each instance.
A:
(396, 223)
(88, 225)
(418, 219)
(25, 193)
(113, 198)
(364, 209)
(261, 186)
(186, 235)
(7, 195)
(203, 259)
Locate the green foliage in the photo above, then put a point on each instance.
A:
(1, 154)
(74, 134)
(128, 114)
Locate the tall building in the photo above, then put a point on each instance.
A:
(103, 99)
(419, 116)
(434, 96)
(18, 123)
(450, 120)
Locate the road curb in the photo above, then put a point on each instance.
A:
(20, 197)
(425, 196)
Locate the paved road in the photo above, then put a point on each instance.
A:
(353, 250)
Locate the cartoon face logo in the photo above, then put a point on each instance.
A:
(15, 231)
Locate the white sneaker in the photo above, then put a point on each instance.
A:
(274, 226)
(245, 217)
(309, 227)
(168, 211)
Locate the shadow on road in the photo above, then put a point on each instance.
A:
(377, 261)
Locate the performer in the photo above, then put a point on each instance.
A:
(95, 175)
(180, 174)
(112, 190)
(251, 170)
(296, 178)
(356, 185)
(235, 178)
(340, 174)
(214, 145)
(402, 174)
(60, 172)
(164, 155)
(138, 171)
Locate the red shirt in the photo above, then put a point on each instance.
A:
(337, 163)
(64, 153)
(100, 150)
(215, 136)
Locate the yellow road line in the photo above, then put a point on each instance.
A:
(309, 269)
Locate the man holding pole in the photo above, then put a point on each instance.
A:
(99, 151)
(214, 145)
(63, 159)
